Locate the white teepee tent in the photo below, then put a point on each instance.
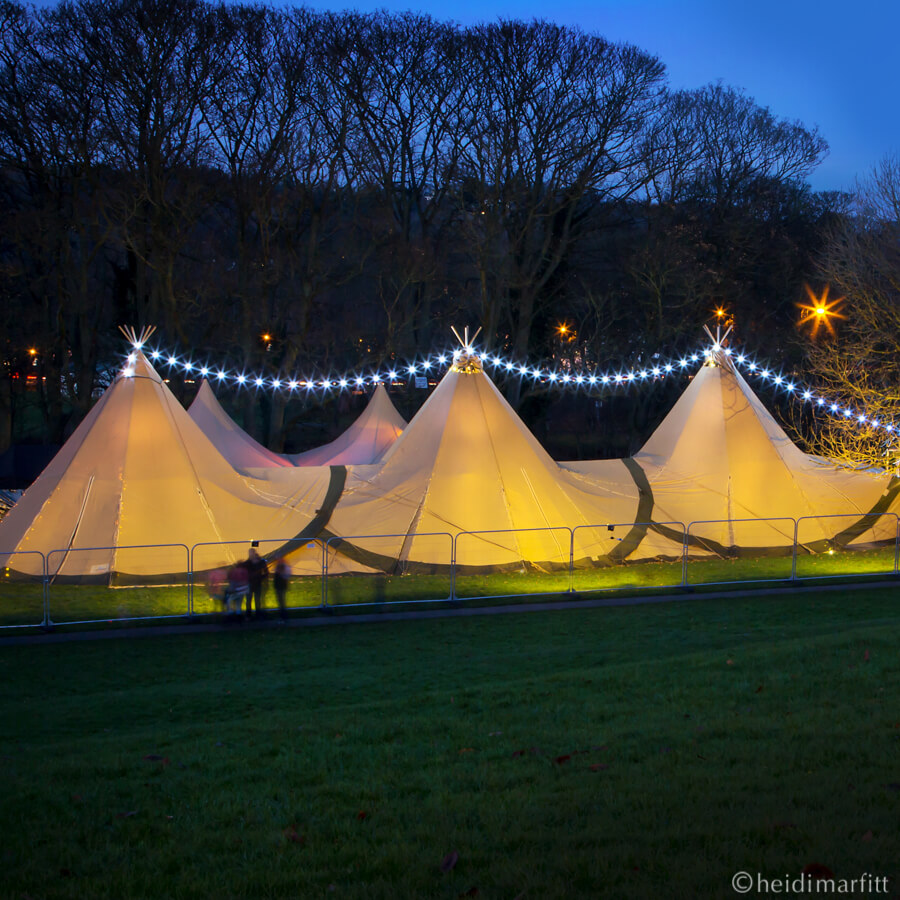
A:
(466, 463)
(365, 441)
(138, 471)
(241, 450)
(719, 455)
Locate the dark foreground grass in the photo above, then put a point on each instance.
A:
(634, 752)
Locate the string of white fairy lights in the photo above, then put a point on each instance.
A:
(399, 373)
(562, 379)
(817, 400)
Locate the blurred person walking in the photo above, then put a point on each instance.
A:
(280, 581)
(258, 572)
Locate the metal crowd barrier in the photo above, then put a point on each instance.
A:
(61, 586)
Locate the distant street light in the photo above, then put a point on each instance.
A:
(566, 333)
(820, 311)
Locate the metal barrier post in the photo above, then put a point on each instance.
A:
(684, 555)
(897, 549)
(571, 561)
(453, 538)
(794, 551)
(325, 573)
(190, 577)
(45, 587)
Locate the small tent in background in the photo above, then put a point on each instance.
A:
(720, 455)
(365, 441)
(137, 472)
(241, 450)
(467, 463)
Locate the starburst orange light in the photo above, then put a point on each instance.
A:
(820, 311)
(566, 332)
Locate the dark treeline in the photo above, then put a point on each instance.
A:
(351, 185)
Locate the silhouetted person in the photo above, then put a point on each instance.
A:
(280, 579)
(258, 573)
(238, 586)
(217, 586)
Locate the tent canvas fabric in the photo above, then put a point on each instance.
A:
(719, 457)
(241, 450)
(365, 441)
(138, 471)
(467, 466)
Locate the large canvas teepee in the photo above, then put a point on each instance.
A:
(241, 450)
(365, 441)
(719, 455)
(466, 465)
(138, 471)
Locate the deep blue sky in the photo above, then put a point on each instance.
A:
(826, 63)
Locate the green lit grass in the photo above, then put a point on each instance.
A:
(628, 752)
(22, 603)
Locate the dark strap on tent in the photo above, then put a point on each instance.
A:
(626, 546)
(643, 518)
(841, 538)
(864, 523)
(316, 525)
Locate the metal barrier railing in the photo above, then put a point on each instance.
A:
(823, 544)
(730, 540)
(155, 573)
(372, 561)
(532, 552)
(306, 562)
(61, 587)
(24, 572)
(609, 549)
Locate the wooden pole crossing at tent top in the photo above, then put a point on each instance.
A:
(466, 362)
(137, 340)
(717, 356)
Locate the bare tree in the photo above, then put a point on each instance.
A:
(409, 81)
(54, 160)
(316, 209)
(340, 180)
(555, 133)
(159, 60)
(858, 369)
(724, 210)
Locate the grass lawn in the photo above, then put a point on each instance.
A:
(629, 752)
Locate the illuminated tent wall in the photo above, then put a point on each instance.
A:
(365, 441)
(241, 450)
(719, 455)
(139, 471)
(467, 463)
